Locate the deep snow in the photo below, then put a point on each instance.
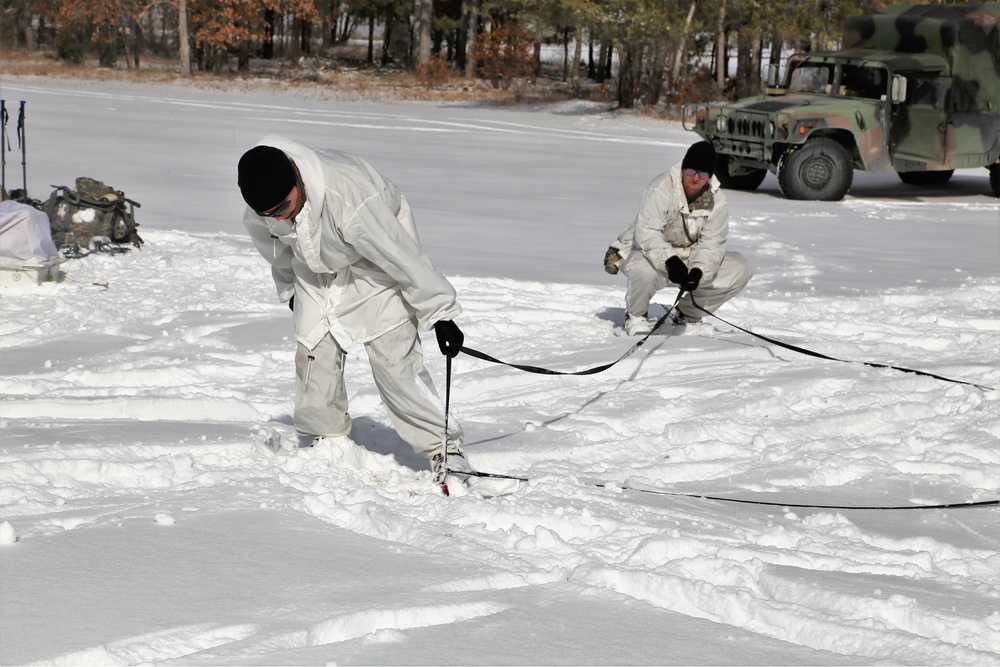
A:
(142, 521)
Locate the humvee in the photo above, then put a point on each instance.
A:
(913, 90)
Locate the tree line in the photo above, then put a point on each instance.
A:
(646, 51)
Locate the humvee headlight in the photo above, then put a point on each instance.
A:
(721, 123)
(770, 129)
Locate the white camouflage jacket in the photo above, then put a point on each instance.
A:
(665, 226)
(351, 256)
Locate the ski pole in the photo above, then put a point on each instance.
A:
(444, 442)
(21, 144)
(4, 145)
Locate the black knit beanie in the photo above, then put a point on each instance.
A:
(266, 176)
(701, 157)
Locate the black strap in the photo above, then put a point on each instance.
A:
(84, 201)
(819, 355)
(4, 116)
(590, 371)
(744, 501)
(788, 346)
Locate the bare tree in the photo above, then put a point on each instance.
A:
(423, 20)
(472, 10)
(183, 39)
(681, 43)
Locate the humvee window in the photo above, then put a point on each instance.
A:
(866, 82)
(927, 92)
(811, 78)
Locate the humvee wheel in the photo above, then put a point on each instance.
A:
(746, 181)
(926, 177)
(819, 170)
(995, 179)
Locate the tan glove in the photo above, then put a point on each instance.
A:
(611, 259)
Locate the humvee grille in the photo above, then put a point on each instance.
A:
(748, 125)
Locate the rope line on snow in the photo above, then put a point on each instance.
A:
(590, 371)
(820, 355)
(788, 346)
(663, 492)
(744, 501)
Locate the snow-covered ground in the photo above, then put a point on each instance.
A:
(143, 522)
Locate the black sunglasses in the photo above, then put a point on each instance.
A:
(703, 175)
(278, 210)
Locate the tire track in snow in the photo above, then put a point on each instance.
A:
(156, 647)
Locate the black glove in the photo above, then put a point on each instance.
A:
(677, 271)
(450, 338)
(611, 259)
(291, 304)
(694, 278)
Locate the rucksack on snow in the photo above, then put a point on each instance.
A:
(91, 209)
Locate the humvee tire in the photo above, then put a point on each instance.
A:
(746, 181)
(820, 170)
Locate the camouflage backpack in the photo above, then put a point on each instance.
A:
(90, 210)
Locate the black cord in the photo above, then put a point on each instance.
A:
(590, 371)
(788, 346)
(664, 492)
(812, 353)
(598, 369)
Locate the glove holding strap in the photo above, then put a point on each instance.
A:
(694, 279)
(677, 271)
(449, 337)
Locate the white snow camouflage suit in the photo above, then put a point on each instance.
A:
(352, 260)
(667, 226)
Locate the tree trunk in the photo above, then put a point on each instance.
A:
(138, 41)
(744, 65)
(777, 44)
(756, 62)
(267, 48)
(656, 70)
(629, 70)
(577, 57)
(390, 21)
(243, 56)
(565, 74)
(107, 54)
(423, 19)
(679, 56)
(305, 35)
(472, 34)
(456, 47)
(371, 40)
(183, 38)
(721, 57)
(327, 19)
(602, 56)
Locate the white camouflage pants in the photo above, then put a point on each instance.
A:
(403, 383)
(645, 280)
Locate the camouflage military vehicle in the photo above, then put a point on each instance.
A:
(914, 90)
